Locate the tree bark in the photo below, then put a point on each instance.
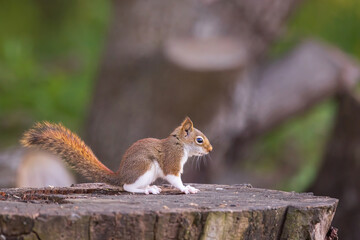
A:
(98, 211)
(340, 170)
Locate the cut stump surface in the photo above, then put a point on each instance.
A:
(99, 211)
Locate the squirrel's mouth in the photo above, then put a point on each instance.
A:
(199, 154)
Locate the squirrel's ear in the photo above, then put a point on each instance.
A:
(187, 125)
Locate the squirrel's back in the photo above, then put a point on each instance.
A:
(58, 140)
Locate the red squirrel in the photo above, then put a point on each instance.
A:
(145, 161)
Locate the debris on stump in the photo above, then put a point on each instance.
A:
(99, 211)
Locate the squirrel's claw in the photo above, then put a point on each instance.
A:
(189, 189)
(152, 189)
(156, 187)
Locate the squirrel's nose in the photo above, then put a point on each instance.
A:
(210, 148)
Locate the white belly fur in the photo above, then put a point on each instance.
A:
(146, 179)
(152, 174)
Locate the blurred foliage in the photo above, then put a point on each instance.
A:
(295, 149)
(49, 56)
(290, 155)
(333, 21)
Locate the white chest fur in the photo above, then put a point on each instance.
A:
(158, 172)
(183, 160)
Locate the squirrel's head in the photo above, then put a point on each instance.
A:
(195, 141)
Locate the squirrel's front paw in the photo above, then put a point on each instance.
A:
(189, 189)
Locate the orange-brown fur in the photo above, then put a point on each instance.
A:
(58, 140)
(172, 154)
(136, 161)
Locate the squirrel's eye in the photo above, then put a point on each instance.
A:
(199, 140)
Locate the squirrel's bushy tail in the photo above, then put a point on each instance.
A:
(60, 141)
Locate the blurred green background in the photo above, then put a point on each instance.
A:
(49, 60)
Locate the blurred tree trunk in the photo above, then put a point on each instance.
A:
(340, 171)
(284, 88)
(165, 60)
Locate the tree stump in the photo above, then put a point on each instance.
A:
(99, 211)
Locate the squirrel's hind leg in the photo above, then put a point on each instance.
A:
(133, 189)
(141, 185)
